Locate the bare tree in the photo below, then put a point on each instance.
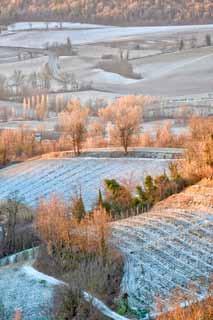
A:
(3, 86)
(45, 77)
(33, 80)
(73, 121)
(18, 80)
(208, 40)
(67, 78)
(125, 115)
(69, 45)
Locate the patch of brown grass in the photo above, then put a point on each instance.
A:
(197, 311)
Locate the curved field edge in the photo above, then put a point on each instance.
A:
(168, 249)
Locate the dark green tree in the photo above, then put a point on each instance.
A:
(77, 208)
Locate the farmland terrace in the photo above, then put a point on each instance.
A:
(41, 178)
(167, 249)
(136, 152)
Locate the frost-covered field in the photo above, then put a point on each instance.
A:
(20, 26)
(86, 96)
(20, 289)
(168, 248)
(98, 76)
(163, 74)
(40, 178)
(90, 34)
(49, 124)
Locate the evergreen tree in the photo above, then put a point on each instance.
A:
(77, 208)
(100, 199)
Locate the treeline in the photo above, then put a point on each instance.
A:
(140, 12)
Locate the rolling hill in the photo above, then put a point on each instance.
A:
(168, 250)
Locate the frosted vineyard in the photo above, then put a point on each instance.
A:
(37, 179)
(167, 249)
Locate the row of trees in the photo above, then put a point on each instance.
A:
(122, 118)
(118, 200)
(23, 143)
(20, 85)
(16, 143)
(193, 43)
(36, 107)
(16, 217)
(119, 11)
(199, 155)
(117, 124)
(125, 199)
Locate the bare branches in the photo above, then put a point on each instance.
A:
(125, 115)
(73, 122)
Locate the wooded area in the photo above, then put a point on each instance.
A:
(133, 12)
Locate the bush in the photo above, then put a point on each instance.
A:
(15, 217)
(78, 252)
(120, 202)
(201, 311)
(208, 40)
(198, 163)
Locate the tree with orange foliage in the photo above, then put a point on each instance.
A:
(60, 230)
(199, 154)
(125, 114)
(202, 311)
(95, 134)
(53, 223)
(73, 121)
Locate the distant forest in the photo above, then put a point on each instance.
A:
(123, 12)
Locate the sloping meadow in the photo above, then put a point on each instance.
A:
(168, 251)
(33, 180)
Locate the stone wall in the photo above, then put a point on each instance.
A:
(26, 255)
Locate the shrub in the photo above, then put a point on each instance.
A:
(201, 311)
(198, 163)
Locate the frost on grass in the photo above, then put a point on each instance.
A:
(23, 290)
(37, 179)
(167, 249)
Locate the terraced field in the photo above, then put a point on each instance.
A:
(169, 248)
(32, 180)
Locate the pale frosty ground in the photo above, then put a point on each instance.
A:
(168, 248)
(31, 291)
(32, 180)
(21, 290)
(20, 26)
(165, 251)
(83, 36)
(101, 76)
(168, 74)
